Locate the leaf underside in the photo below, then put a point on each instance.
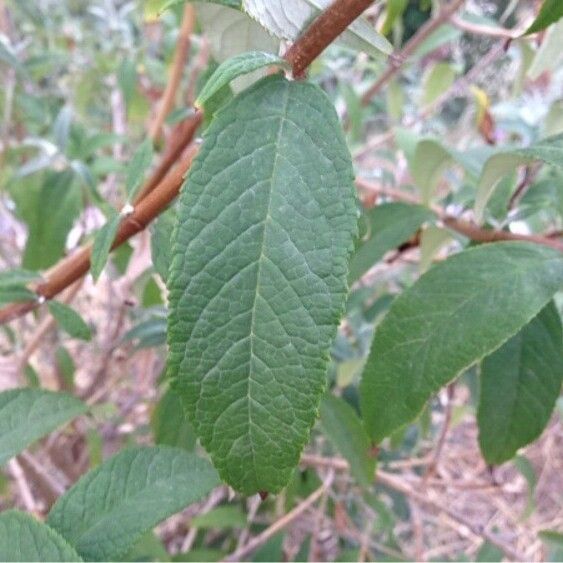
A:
(520, 383)
(454, 315)
(258, 278)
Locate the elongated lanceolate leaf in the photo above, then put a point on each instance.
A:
(520, 383)
(258, 277)
(454, 315)
(234, 67)
(22, 538)
(102, 245)
(111, 507)
(70, 321)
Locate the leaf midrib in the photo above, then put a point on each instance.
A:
(261, 259)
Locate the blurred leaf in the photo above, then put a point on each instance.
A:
(519, 385)
(231, 32)
(432, 240)
(554, 541)
(61, 127)
(138, 165)
(151, 332)
(50, 214)
(549, 150)
(394, 9)
(69, 320)
(489, 553)
(148, 548)
(110, 507)
(525, 467)
(102, 245)
(548, 56)
(390, 225)
(29, 414)
(66, 367)
(127, 79)
(445, 34)
(170, 425)
(23, 538)
(395, 100)
(345, 430)
(436, 80)
(550, 12)
(228, 516)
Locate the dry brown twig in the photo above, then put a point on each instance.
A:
(283, 522)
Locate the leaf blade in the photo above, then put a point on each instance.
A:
(110, 507)
(102, 245)
(69, 320)
(253, 446)
(29, 414)
(529, 365)
(423, 344)
(22, 538)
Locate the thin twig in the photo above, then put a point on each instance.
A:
(282, 523)
(180, 57)
(23, 486)
(411, 491)
(410, 48)
(465, 228)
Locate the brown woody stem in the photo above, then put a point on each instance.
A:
(322, 32)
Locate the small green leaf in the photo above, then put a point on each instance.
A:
(102, 245)
(69, 320)
(29, 414)
(550, 12)
(390, 225)
(22, 538)
(520, 383)
(111, 507)
(15, 294)
(258, 277)
(437, 79)
(550, 150)
(138, 165)
(235, 67)
(526, 468)
(458, 312)
(344, 429)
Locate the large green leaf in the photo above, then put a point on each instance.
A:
(344, 429)
(286, 19)
(22, 538)
(520, 383)
(454, 315)
(550, 12)
(258, 277)
(111, 507)
(390, 225)
(549, 150)
(29, 414)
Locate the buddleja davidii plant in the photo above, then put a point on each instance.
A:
(258, 277)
